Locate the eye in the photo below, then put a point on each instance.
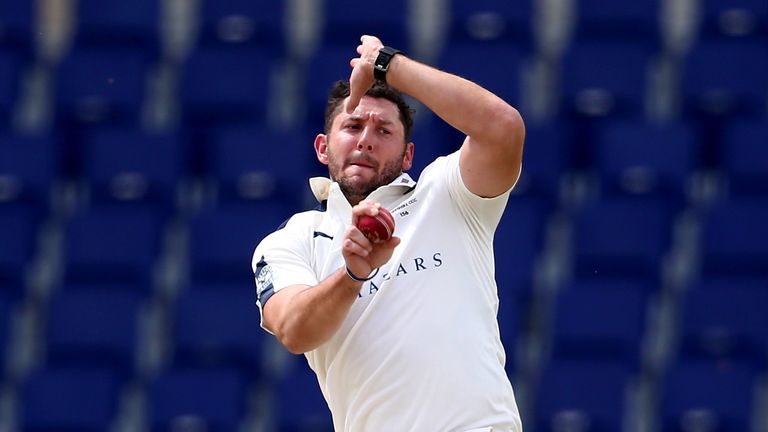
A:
(352, 126)
(384, 131)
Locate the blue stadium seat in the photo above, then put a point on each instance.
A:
(97, 327)
(119, 23)
(734, 19)
(605, 78)
(733, 239)
(98, 85)
(545, 161)
(10, 82)
(211, 399)
(518, 241)
(724, 319)
(222, 239)
(429, 143)
(600, 322)
(16, 24)
(69, 400)
(707, 396)
(18, 235)
(6, 308)
(218, 326)
(248, 163)
(745, 158)
(581, 395)
(346, 20)
(300, 406)
(226, 84)
(489, 21)
(28, 169)
(128, 165)
(611, 20)
(726, 78)
(637, 158)
(621, 238)
(113, 245)
(328, 64)
(471, 62)
(261, 23)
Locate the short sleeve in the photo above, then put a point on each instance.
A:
(488, 210)
(281, 260)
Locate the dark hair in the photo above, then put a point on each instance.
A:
(340, 91)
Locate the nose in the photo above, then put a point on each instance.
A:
(366, 140)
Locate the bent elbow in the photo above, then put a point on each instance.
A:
(292, 342)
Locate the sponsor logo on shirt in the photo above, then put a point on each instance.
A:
(402, 269)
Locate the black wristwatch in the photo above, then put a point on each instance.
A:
(381, 65)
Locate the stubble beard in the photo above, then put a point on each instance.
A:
(357, 190)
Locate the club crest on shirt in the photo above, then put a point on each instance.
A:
(263, 279)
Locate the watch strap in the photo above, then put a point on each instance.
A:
(381, 65)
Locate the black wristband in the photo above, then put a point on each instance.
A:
(359, 279)
(381, 65)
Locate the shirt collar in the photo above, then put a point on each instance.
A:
(321, 186)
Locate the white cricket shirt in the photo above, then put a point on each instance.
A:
(420, 349)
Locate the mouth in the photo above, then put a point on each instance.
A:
(363, 164)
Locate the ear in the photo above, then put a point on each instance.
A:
(408, 157)
(321, 148)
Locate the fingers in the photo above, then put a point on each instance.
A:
(365, 207)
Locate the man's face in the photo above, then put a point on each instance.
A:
(366, 148)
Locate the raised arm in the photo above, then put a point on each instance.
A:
(491, 155)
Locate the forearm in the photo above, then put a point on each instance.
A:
(475, 111)
(313, 315)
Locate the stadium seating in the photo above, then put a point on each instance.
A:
(621, 238)
(469, 60)
(601, 321)
(243, 161)
(605, 78)
(6, 306)
(723, 319)
(18, 234)
(211, 399)
(218, 326)
(130, 166)
(726, 78)
(101, 85)
(226, 84)
(581, 395)
(29, 166)
(723, 19)
(545, 163)
(16, 24)
(10, 74)
(113, 246)
(69, 400)
(115, 156)
(706, 395)
(745, 158)
(518, 241)
(627, 20)
(490, 21)
(346, 20)
(97, 327)
(299, 404)
(637, 158)
(222, 240)
(732, 239)
(260, 23)
(119, 23)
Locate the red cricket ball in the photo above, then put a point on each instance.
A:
(377, 228)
